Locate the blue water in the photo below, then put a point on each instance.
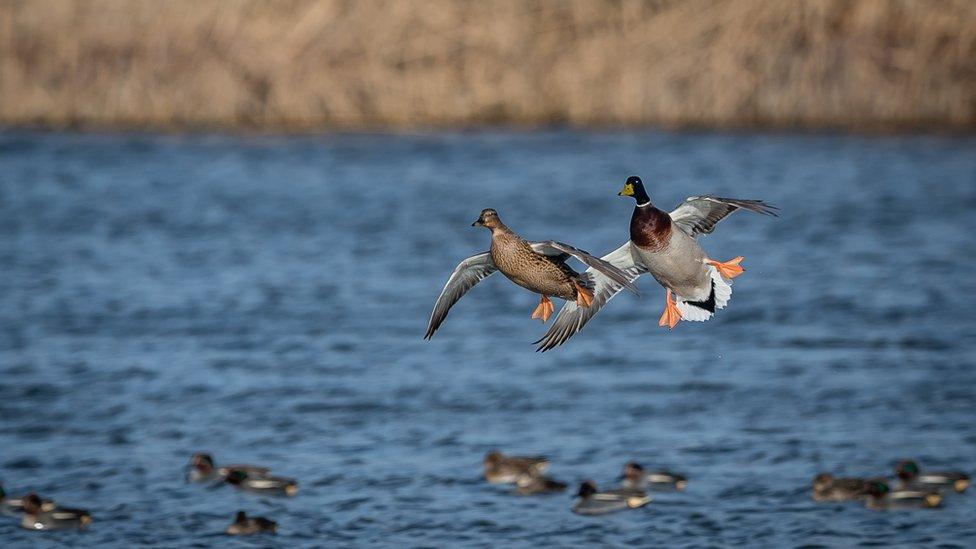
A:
(264, 299)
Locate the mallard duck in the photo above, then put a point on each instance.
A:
(912, 478)
(528, 485)
(880, 497)
(635, 477)
(59, 518)
(501, 469)
(14, 505)
(244, 525)
(664, 245)
(826, 487)
(201, 469)
(537, 266)
(591, 501)
(262, 484)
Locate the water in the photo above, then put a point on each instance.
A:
(264, 299)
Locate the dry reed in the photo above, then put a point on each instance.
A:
(396, 64)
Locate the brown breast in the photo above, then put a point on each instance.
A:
(650, 228)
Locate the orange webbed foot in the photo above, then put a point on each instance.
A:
(728, 269)
(544, 310)
(671, 315)
(584, 297)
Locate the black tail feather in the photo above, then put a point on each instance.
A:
(708, 304)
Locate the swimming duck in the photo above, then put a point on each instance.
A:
(911, 477)
(11, 505)
(501, 469)
(880, 497)
(528, 485)
(828, 488)
(262, 484)
(244, 525)
(664, 245)
(590, 501)
(59, 518)
(537, 266)
(201, 468)
(635, 478)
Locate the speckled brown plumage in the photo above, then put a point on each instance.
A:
(542, 274)
(650, 228)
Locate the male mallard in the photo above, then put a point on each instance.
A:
(201, 468)
(912, 478)
(12, 506)
(538, 266)
(826, 487)
(59, 518)
(665, 246)
(501, 469)
(528, 485)
(262, 484)
(881, 498)
(591, 501)
(244, 525)
(635, 477)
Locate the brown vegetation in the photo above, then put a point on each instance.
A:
(341, 64)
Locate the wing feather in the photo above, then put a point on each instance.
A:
(699, 214)
(468, 273)
(560, 249)
(572, 318)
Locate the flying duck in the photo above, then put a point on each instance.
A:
(537, 266)
(664, 245)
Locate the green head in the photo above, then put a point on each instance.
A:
(906, 469)
(635, 187)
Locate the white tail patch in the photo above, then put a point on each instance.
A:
(723, 293)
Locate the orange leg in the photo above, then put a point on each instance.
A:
(584, 297)
(671, 314)
(729, 269)
(544, 310)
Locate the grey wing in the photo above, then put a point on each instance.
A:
(468, 273)
(572, 317)
(561, 250)
(699, 214)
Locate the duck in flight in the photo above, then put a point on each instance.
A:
(537, 266)
(666, 246)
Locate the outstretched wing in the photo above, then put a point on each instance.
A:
(699, 214)
(468, 273)
(572, 317)
(563, 251)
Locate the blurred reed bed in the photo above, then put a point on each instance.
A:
(292, 65)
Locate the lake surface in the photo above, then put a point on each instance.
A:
(264, 299)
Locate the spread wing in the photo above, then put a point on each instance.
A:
(563, 251)
(468, 273)
(699, 214)
(572, 318)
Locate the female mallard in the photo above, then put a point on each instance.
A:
(262, 484)
(202, 468)
(591, 501)
(635, 477)
(60, 518)
(826, 487)
(912, 477)
(537, 266)
(664, 245)
(244, 525)
(502, 469)
(881, 497)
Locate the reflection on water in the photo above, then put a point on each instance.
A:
(264, 299)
